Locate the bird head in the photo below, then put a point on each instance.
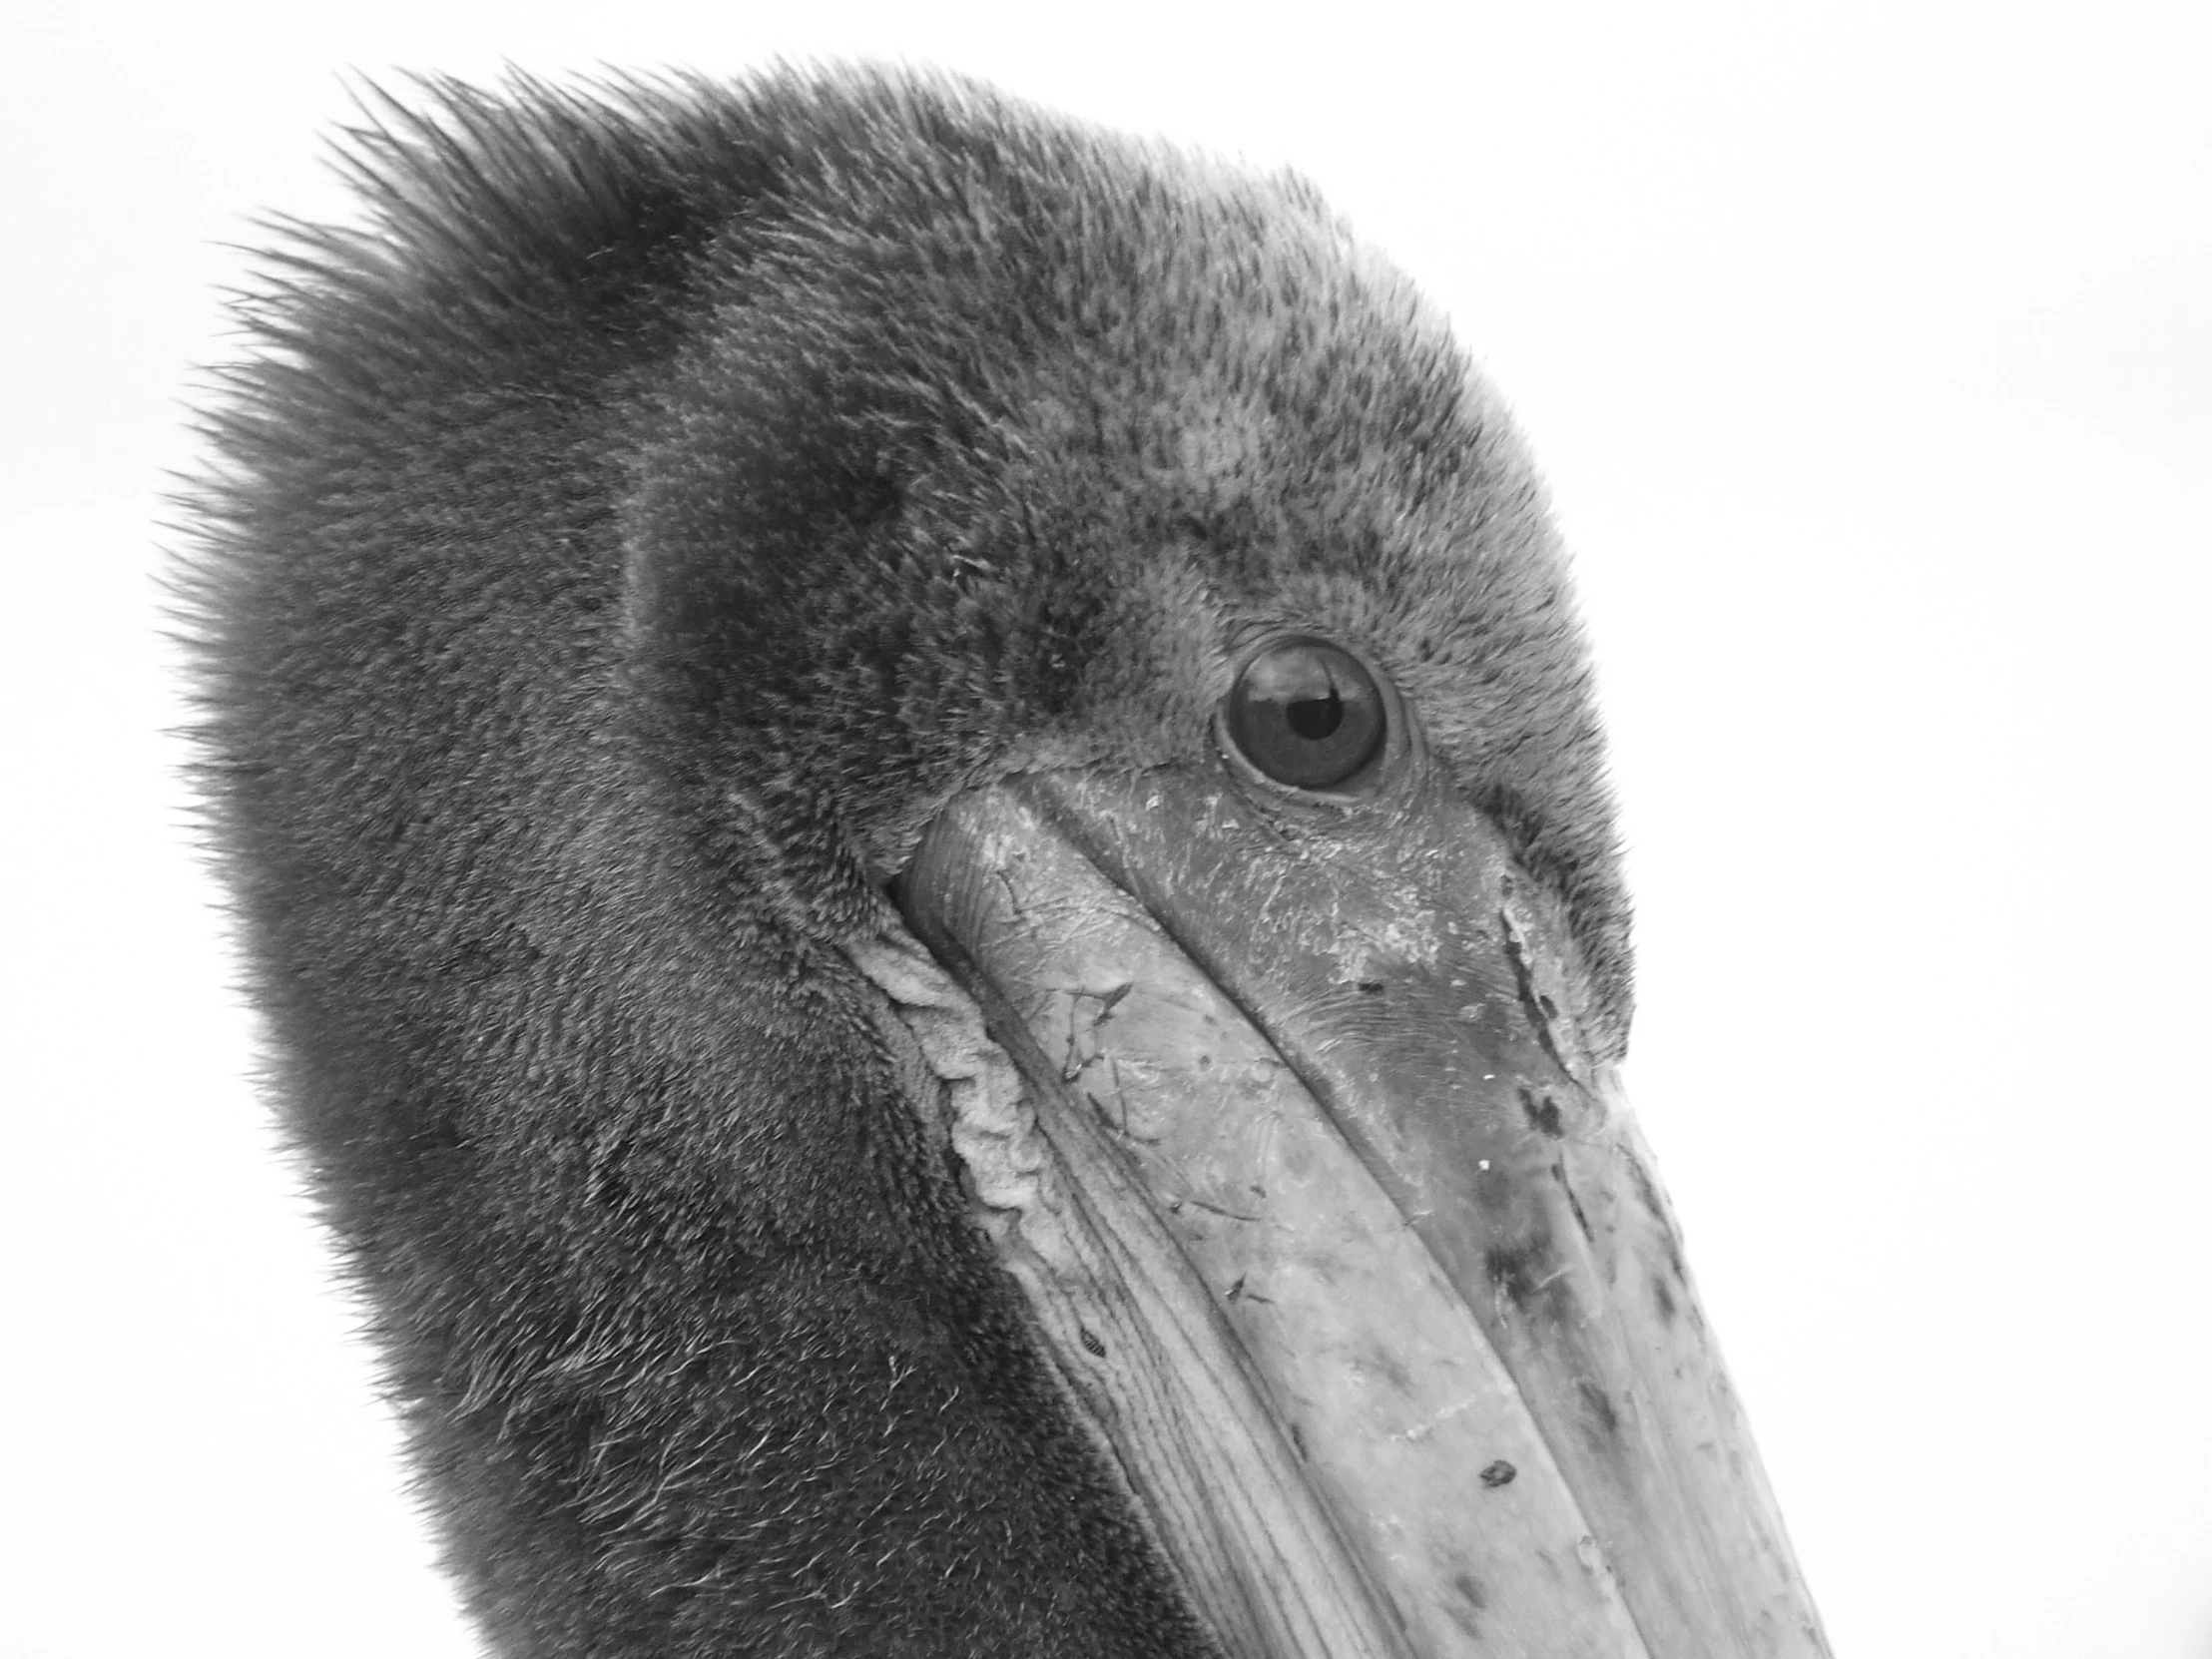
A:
(877, 742)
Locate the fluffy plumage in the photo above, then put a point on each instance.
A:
(621, 548)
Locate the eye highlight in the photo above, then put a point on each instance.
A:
(1305, 712)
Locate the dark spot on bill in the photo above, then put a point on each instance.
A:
(1508, 1268)
(1602, 1416)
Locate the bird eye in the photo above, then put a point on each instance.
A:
(1305, 712)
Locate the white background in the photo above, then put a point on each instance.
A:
(1868, 349)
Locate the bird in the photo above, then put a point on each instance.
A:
(913, 796)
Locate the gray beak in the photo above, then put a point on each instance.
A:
(1350, 1258)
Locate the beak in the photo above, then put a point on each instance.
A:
(1349, 1254)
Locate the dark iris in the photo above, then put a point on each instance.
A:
(1305, 713)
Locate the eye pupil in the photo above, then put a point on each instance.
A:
(1316, 718)
(1305, 712)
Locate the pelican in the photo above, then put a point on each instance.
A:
(914, 800)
